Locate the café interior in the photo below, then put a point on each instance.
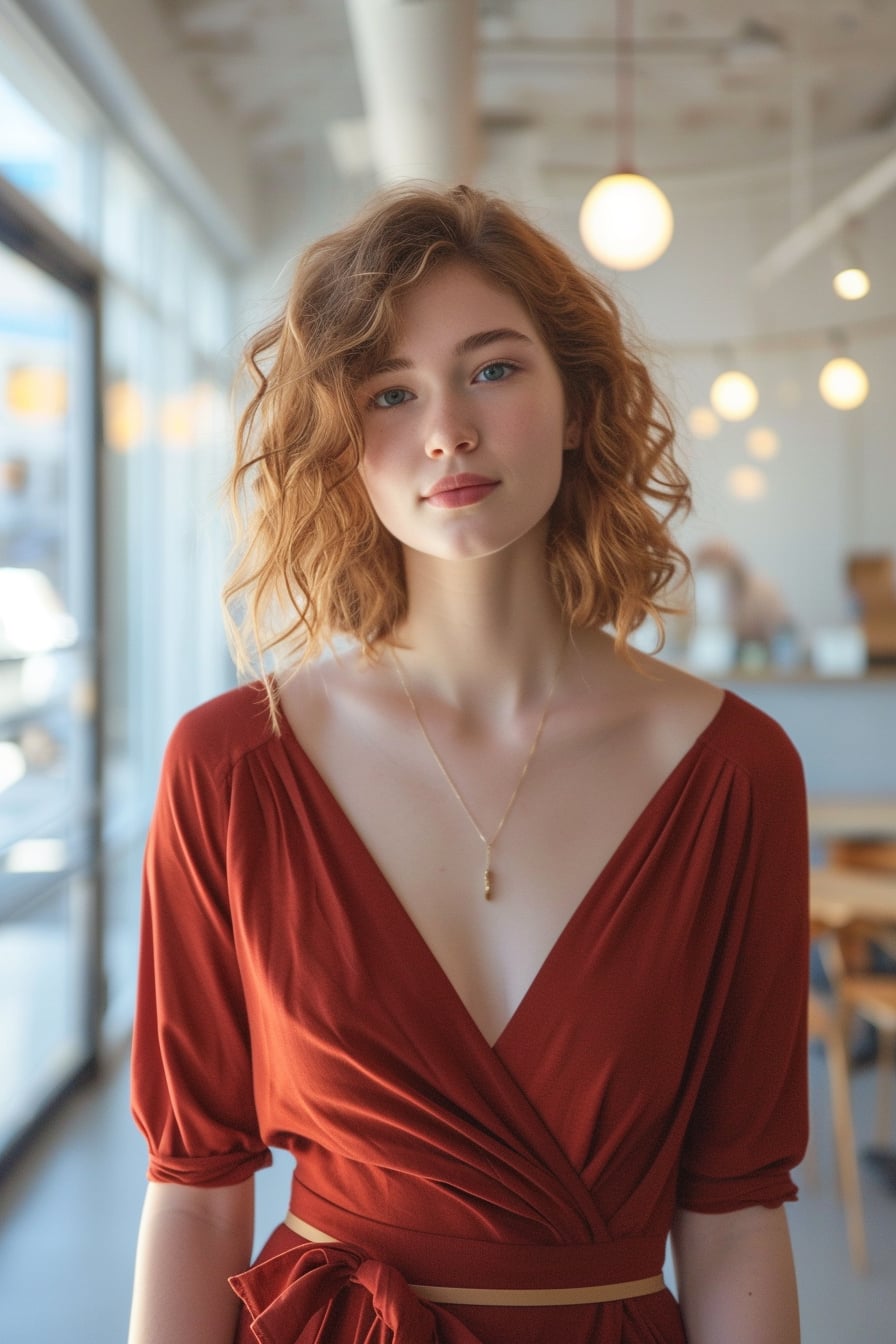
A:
(728, 170)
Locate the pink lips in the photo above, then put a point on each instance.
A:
(455, 492)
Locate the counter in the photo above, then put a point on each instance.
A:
(844, 729)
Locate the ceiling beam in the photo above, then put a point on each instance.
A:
(416, 70)
(867, 189)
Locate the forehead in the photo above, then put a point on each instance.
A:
(458, 297)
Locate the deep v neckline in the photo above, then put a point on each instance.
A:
(577, 915)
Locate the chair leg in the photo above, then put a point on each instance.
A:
(845, 1143)
(886, 1064)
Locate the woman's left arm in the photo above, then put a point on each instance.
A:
(735, 1276)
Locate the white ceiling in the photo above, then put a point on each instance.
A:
(717, 83)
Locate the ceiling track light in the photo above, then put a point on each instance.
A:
(625, 220)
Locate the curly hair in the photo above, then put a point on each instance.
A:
(314, 561)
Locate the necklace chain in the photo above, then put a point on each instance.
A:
(488, 876)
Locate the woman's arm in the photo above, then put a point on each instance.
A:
(735, 1277)
(190, 1241)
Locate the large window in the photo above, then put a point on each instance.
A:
(112, 548)
(49, 131)
(47, 688)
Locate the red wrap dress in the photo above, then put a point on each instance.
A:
(658, 1059)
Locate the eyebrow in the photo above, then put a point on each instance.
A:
(476, 341)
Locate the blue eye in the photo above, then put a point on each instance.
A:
(392, 396)
(495, 372)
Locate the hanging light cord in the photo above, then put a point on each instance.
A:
(625, 119)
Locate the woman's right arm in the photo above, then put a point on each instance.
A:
(191, 1240)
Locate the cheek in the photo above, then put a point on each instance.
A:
(379, 453)
(371, 472)
(378, 486)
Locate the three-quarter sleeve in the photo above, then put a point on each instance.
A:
(749, 1126)
(192, 1092)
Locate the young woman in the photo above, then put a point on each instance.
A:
(496, 925)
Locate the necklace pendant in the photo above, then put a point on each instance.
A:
(488, 884)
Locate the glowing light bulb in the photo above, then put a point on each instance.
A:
(843, 383)
(747, 483)
(703, 422)
(734, 395)
(851, 283)
(763, 443)
(626, 221)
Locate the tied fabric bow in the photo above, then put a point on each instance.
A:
(293, 1296)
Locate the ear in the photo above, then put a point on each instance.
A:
(573, 437)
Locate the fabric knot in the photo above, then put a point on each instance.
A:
(291, 1297)
(395, 1304)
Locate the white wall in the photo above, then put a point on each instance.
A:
(832, 489)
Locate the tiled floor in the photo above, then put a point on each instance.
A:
(68, 1220)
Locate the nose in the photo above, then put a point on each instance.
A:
(450, 429)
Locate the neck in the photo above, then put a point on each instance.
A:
(482, 635)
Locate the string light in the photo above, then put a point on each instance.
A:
(703, 422)
(763, 443)
(747, 483)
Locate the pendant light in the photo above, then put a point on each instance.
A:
(843, 383)
(626, 220)
(851, 280)
(734, 395)
(851, 283)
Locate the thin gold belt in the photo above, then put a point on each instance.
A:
(508, 1297)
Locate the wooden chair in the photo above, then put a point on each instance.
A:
(862, 993)
(827, 1025)
(873, 998)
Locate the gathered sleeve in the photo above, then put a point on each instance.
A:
(749, 1125)
(192, 1093)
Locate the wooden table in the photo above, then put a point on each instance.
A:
(842, 896)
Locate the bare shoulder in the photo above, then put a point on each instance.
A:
(677, 701)
(658, 706)
(339, 691)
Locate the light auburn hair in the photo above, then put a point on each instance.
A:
(313, 560)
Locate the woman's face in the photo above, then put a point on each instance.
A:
(464, 424)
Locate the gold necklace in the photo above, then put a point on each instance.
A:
(488, 877)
